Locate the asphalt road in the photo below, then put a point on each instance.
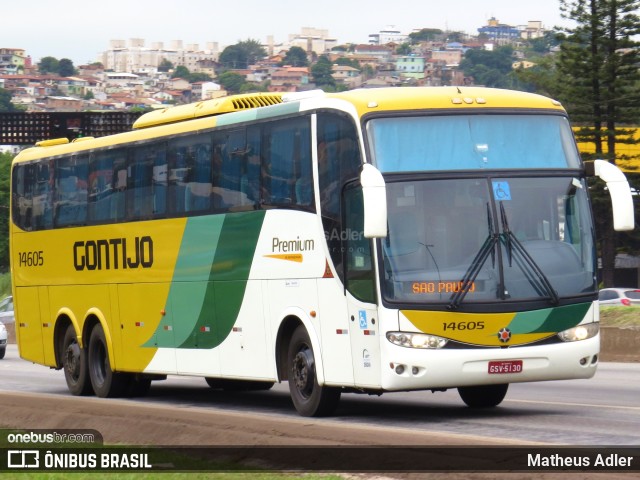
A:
(604, 410)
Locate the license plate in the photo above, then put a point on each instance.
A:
(505, 366)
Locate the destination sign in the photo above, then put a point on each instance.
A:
(419, 288)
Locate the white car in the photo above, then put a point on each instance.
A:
(6, 310)
(619, 296)
(3, 340)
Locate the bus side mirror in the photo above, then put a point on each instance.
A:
(374, 193)
(618, 186)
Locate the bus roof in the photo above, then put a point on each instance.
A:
(246, 107)
(207, 108)
(420, 98)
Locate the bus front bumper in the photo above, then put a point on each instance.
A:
(413, 369)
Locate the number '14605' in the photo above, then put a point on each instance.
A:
(31, 259)
(463, 326)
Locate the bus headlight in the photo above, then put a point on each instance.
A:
(580, 332)
(416, 340)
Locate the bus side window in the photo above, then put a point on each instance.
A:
(140, 182)
(304, 174)
(338, 161)
(360, 278)
(288, 149)
(107, 183)
(22, 196)
(189, 174)
(230, 150)
(70, 204)
(198, 186)
(159, 180)
(176, 176)
(43, 196)
(250, 178)
(119, 186)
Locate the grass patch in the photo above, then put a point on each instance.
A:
(5, 285)
(621, 317)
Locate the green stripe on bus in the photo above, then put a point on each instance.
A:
(549, 319)
(210, 279)
(257, 114)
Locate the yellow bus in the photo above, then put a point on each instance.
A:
(628, 154)
(368, 241)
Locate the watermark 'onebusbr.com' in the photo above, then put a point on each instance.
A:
(35, 437)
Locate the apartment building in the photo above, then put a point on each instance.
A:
(499, 33)
(13, 61)
(134, 56)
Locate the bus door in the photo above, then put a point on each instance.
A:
(361, 294)
(339, 161)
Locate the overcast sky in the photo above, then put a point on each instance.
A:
(81, 29)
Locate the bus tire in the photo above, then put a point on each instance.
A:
(74, 364)
(483, 396)
(105, 382)
(309, 398)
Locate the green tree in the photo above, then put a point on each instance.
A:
(368, 72)
(598, 64)
(348, 62)
(199, 77)
(181, 72)
(599, 61)
(456, 37)
(296, 57)
(5, 101)
(66, 68)
(425, 35)
(242, 54)
(5, 169)
(403, 49)
(490, 68)
(231, 81)
(542, 78)
(48, 65)
(165, 65)
(321, 73)
(250, 87)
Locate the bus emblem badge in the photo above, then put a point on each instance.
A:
(504, 335)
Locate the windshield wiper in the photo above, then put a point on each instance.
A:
(526, 263)
(488, 248)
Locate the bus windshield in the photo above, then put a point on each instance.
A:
(461, 241)
(471, 142)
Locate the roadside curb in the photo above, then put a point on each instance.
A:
(619, 344)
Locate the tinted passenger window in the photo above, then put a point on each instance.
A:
(229, 156)
(287, 163)
(338, 161)
(107, 186)
(146, 181)
(189, 179)
(70, 204)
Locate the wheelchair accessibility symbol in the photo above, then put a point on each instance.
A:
(501, 191)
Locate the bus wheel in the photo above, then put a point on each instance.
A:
(483, 396)
(106, 382)
(309, 398)
(74, 364)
